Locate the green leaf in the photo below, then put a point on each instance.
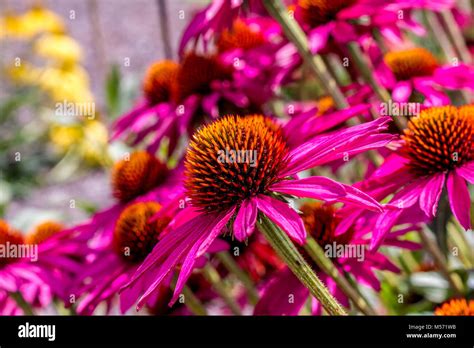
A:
(113, 91)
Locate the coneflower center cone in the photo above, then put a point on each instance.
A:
(409, 63)
(240, 35)
(440, 139)
(233, 159)
(317, 12)
(43, 231)
(136, 175)
(196, 74)
(159, 80)
(320, 222)
(8, 236)
(135, 235)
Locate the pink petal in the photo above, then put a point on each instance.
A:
(401, 92)
(317, 187)
(284, 216)
(459, 199)
(430, 194)
(467, 172)
(244, 223)
(283, 295)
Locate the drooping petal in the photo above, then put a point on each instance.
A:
(284, 216)
(430, 194)
(384, 224)
(467, 172)
(459, 199)
(244, 223)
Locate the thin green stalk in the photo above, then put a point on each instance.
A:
(438, 35)
(431, 246)
(317, 254)
(456, 36)
(213, 277)
(232, 266)
(297, 36)
(285, 248)
(192, 302)
(21, 302)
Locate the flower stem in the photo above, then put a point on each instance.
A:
(213, 277)
(21, 302)
(232, 266)
(438, 35)
(192, 302)
(431, 246)
(297, 36)
(285, 248)
(317, 254)
(456, 36)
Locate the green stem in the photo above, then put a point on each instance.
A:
(317, 254)
(213, 277)
(232, 266)
(297, 36)
(431, 246)
(438, 35)
(285, 248)
(21, 302)
(192, 302)
(456, 36)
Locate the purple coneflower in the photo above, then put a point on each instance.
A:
(225, 191)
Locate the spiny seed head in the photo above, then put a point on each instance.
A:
(409, 63)
(135, 235)
(232, 159)
(457, 307)
(196, 74)
(321, 222)
(159, 80)
(10, 236)
(240, 35)
(43, 231)
(439, 139)
(318, 12)
(137, 175)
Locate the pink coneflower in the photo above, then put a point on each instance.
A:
(140, 177)
(221, 190)
(342, 21)
(215, 18)
(250, 45)
(321, 223)
(39, 276)
(405, 71)
(437, 151)
(110, 266)
(177, 97)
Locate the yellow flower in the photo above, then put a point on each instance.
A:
(33, 22)
(60, 48)
(69, 82)
(89, 139)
